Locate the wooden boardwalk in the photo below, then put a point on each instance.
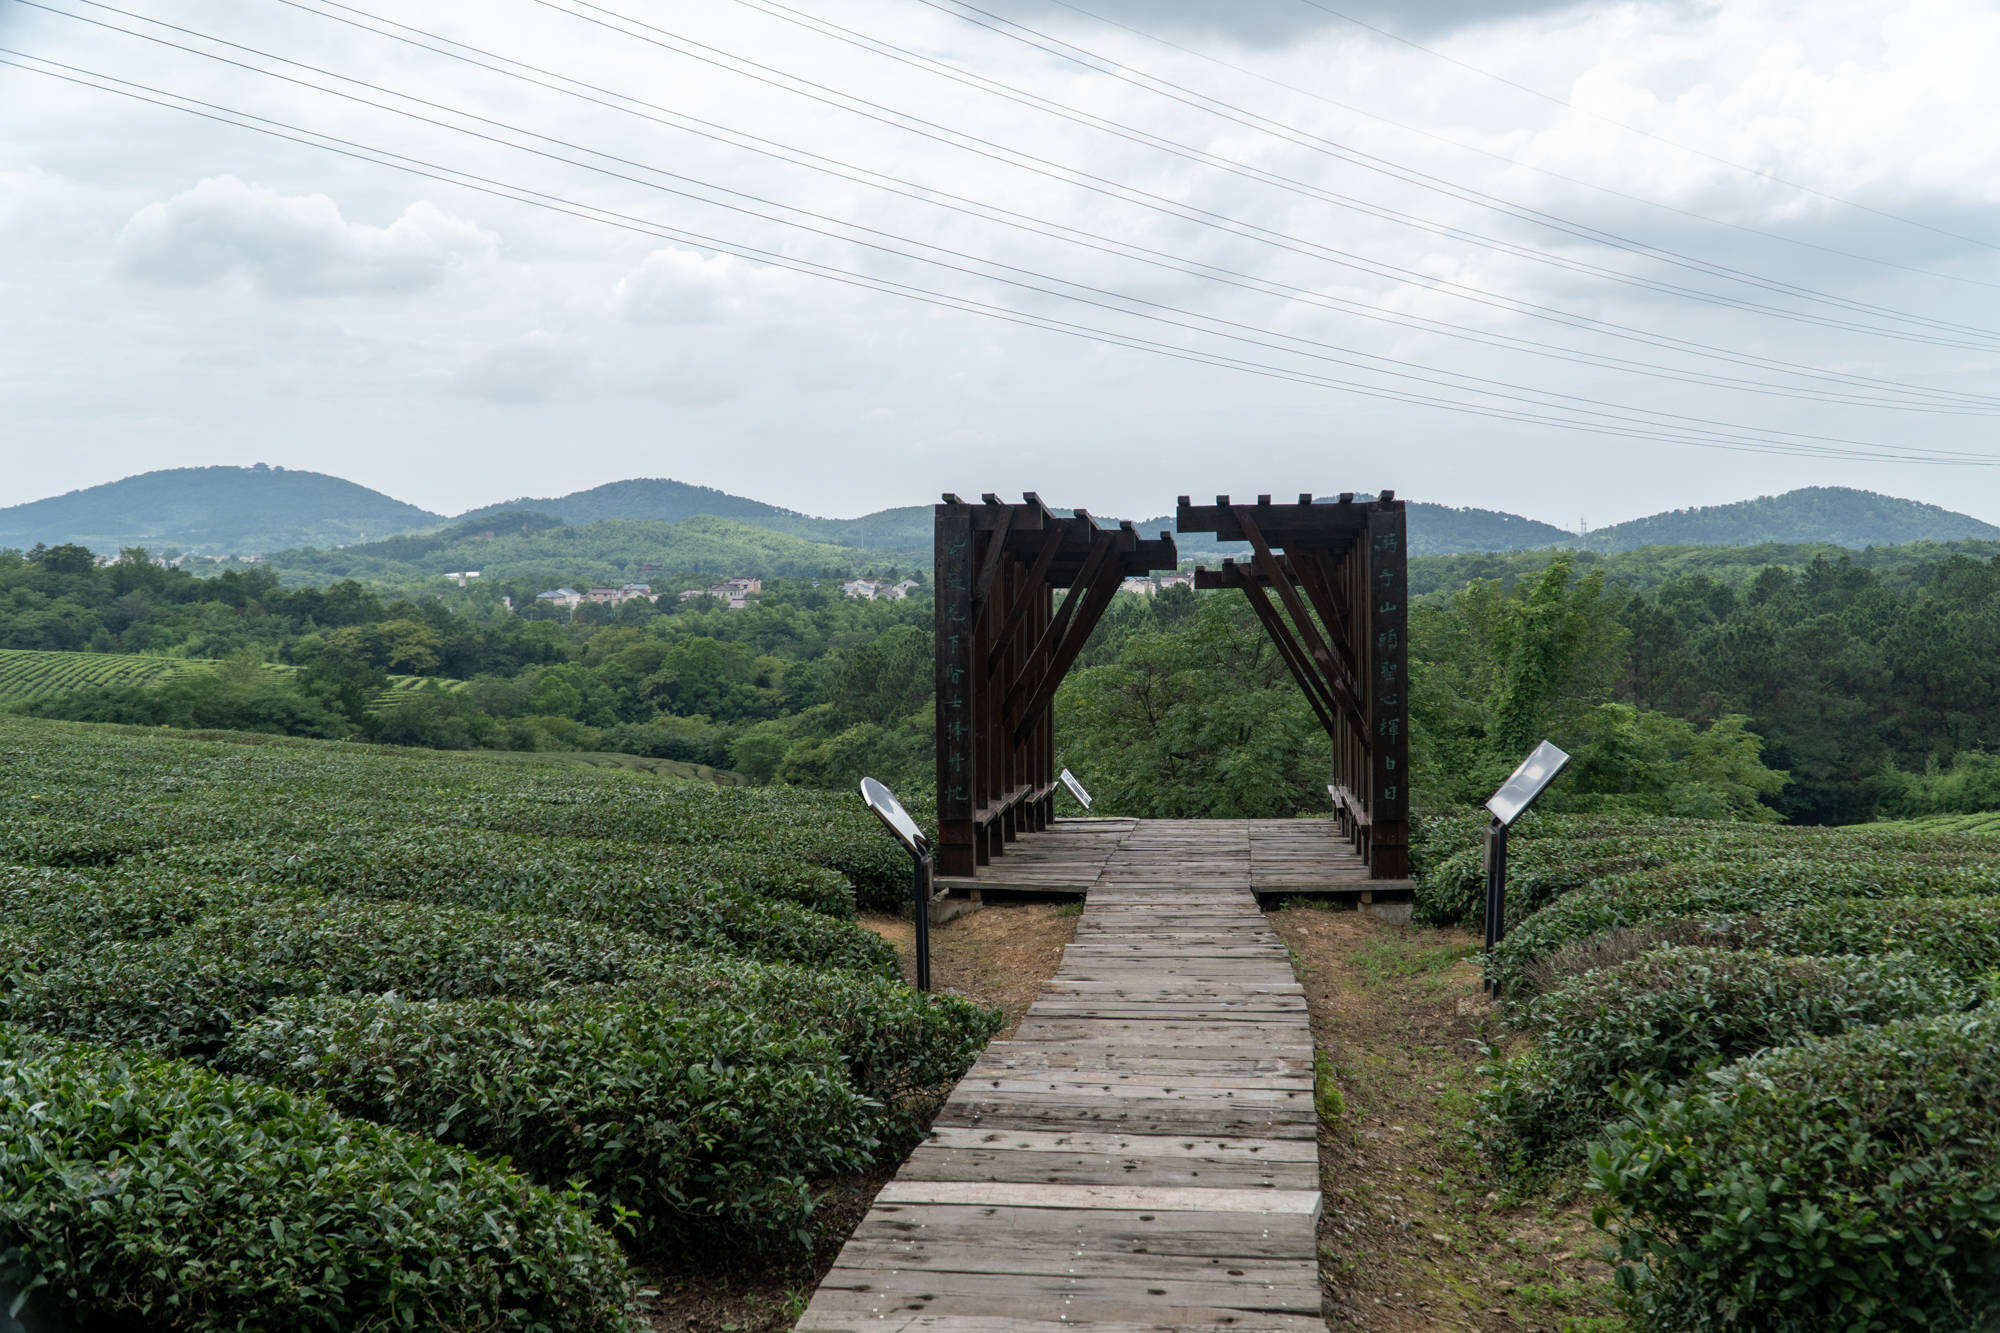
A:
(1143, 1153)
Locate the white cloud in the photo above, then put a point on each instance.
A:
(292, 245)
(528, 369)
(676, 286)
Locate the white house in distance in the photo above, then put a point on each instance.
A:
(463, 576)
(732, 593)
(566, 598)
(620, 595)
(1145, 585)
(871, 590)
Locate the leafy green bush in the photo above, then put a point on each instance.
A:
(903, 1049)
(709, 1124)
(1731, 889)
(153, 1194)
(180, 994)
(1850, 1183)
(1671, 1012)
(1960, 934)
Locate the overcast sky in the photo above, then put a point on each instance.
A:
(1347, 220)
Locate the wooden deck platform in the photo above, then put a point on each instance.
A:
(1143, 1153)
(1284, 856)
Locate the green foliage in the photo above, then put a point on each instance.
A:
(1732, 889)
(1670, 1013)
(707, 1123)
(1847, 1183)
(1961, 935)
(146, 1192)
(1193, 717)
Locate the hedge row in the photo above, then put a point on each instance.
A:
(1959, 934)
(151, 1194)
(1672, 1012)
(461, 865)
(1849, 1183)
(1728, 890)
(710, 1125)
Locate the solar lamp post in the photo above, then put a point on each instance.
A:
(1506, 805)
(883, 803)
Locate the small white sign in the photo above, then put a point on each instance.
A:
(1519, 791)
(891, 812)
(1076, 788)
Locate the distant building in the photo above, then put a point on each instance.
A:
(733, 593)
(566, 598)
(1179, 579)
(620, 595)
(871, 590)
(463, 576)
(1139, 584)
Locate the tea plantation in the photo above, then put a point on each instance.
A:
(1773, 1052)
(305, 1035)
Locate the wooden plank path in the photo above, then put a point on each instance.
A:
(1142, 1154)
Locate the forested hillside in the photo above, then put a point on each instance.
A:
(1834, 515)
(212, 510)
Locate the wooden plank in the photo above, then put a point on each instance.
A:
(1303, 1203)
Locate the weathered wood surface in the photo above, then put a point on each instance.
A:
(1303, 856)
(1142, 1154)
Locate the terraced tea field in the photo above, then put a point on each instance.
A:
(572, 1025)
(27, 675)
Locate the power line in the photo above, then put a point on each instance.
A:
(1927, 399)
(1659, 138)
(1341, 152)
(918, 126)
(1462, 146)
(1030, 280)
(519, 194)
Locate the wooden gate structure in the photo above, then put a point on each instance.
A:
(1003, 646)
(1339, 575)
(1341, 578)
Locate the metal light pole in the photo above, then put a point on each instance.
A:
(890, 811)
(1508, 804)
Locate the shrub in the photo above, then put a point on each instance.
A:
(154, 1194)
(1729, 890)
(1959, 934)
(180, 994)
(710, 1124)
(1671, 1012)
(1850, 1183)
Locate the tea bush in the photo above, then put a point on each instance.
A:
(1670, 1013)
(1960, 934)
(145, 1193)
(709, 1124)
(1849, 1183)
(1731, 890)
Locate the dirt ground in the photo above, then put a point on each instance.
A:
(999, 955)
(1415, 1234)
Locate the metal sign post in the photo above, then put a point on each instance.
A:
(1075, 788)
(897, 820)
(1508, 804)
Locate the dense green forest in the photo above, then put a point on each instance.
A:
(1835, 691)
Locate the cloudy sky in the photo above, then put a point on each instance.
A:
(1580, 261)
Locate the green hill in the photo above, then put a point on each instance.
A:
(656, 498)
(27, 675)
(526, 546)
(212, 511)
(1834, 515)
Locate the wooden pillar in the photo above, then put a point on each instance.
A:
(1389, 725)
(957, 690)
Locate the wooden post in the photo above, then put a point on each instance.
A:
(1388, 694)
(957, 689)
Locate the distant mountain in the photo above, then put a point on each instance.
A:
(656, 498)
(212, 511)
(1833, 514)
(1433, 530)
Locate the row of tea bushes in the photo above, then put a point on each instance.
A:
(1774, 1041)
(85, 796)
(1732, 889)
(708, 1124)
(590, 1036)
(1665, 1015)
(1846, 1183)
(147, 1193)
